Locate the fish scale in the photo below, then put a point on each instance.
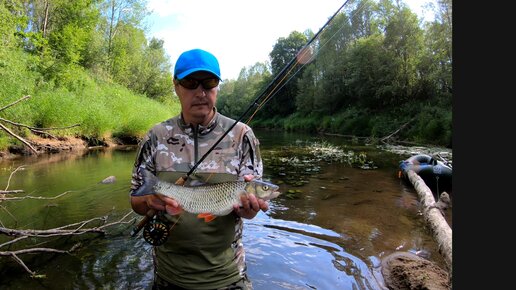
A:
(217, 199)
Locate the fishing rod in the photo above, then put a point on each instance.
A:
(282, 74)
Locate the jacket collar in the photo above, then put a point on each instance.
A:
(190, 129)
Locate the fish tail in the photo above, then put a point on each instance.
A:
(149, 181)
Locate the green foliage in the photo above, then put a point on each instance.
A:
(101, 109)
(12, 19)
(17, 76)
(433, 124)
(285, 50)
(56, 108)
(5, 140)
(235, 96)
(377, 69)
(295, 122)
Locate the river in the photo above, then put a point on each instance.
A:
(343, 208)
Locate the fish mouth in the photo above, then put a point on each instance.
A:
(275, 194)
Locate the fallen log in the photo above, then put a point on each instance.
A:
(433, 216)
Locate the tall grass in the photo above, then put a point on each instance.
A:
(101, 109)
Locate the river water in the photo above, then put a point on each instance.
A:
(343, 208)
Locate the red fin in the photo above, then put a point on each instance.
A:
(208, 217)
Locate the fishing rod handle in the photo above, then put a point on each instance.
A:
(145, 220)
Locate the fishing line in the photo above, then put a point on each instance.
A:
(300, 56)
(255, 103)
(274, 92)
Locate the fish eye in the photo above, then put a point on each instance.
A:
(265, 187)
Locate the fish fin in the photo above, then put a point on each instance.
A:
(149, 181)
(208, 217)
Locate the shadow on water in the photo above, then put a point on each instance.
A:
(342, 210)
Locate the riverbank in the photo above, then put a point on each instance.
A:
(58, 145)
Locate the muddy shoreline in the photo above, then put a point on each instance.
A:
(61, 145)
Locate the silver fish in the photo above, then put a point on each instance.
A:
(215, 199)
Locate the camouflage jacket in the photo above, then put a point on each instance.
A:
(199, 254)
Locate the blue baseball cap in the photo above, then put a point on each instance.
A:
(196, 60)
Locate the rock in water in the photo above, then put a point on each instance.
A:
(109, 179)
(407, 271)
(444, 201)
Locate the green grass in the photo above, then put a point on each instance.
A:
(101, 109)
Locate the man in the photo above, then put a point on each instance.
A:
(198, 254)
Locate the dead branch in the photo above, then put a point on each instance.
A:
(77, 228)
(38, 129)
(66, 230)
(20, 261)
(3, 192)
(14, 255)
(398, 130)
(73, 229)
(15, 102)
(19, 138)
(13, 241)
(33, 197)
(21, 167)
(11, 191)
(34, 130)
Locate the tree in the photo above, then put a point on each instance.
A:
(154, 73)
(436, 62)
(404, 39)
(236, 96)
(330, 92)
(285, 89)
(13, 21)
(119, 14)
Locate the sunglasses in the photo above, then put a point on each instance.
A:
(192, 84)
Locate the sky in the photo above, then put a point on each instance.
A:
(238, 32)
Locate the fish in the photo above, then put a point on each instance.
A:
(211, 200)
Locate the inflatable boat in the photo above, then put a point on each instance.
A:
(435, 173)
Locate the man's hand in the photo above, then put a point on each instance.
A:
(250, 204)
(157, 202)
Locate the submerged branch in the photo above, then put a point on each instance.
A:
(33, 197)
(28, 241)
(76, 229)
(14, 255)
(10, 191)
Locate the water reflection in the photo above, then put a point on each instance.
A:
(289, 255)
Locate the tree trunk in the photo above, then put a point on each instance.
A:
(434, 217)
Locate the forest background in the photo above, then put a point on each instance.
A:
(88, 66)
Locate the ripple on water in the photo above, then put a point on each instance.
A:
(291, 255)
